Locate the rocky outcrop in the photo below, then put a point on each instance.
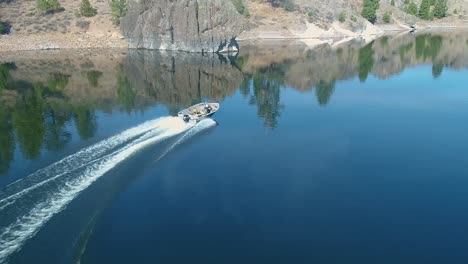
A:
(188, 25)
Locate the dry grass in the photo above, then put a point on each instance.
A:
(25, 19)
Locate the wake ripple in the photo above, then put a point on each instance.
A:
(76, 161)
(48, 191)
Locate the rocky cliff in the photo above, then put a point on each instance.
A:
(188, 25)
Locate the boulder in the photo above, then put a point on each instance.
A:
(187, 25)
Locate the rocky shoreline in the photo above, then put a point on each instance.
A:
(54, 41)
(16, 43)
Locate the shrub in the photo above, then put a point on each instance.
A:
(83, 24)
(387, 17)
(353, 18)
(118, 10)
(276, 3)
(48, 6)
(311, 13)
(392, 2)
(86, 9)
(289, 6)
(1, 28)
(77, 13)
(342, 17)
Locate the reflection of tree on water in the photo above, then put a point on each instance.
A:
(366, 61)
(324, 91)
(428, 46)
(125, 91)
(7, 141)
(437, 70)
(56, 137)
(36, 118)
(266, 93)
(85, 121)
(5, 69)
(244, 88)
(93, 77)
(29, 122)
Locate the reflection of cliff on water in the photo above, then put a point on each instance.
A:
(181, 79)
(318, 68)
(44, 95)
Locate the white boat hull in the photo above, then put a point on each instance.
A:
(198, 112)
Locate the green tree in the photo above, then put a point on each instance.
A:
(440, 9)
(412, 8)
(47, 6)
(118, 10)
(86, 9)
(392, 2)
(369, 10)
(425, 9)
(366, 61)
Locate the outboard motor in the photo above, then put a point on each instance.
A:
(186, 118)
(208, 108)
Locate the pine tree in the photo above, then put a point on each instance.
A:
(412, 8)
(425, 9)
(440, 9)
(369, 10)
(86, 9)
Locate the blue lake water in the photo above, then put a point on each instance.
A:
(349, 153)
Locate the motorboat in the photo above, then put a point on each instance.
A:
(198, 112)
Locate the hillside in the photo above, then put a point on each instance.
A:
(205, 25)
(61, 29)
(321, 19)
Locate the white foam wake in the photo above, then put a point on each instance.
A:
(77, 160)
(200, 126)
(33, 215)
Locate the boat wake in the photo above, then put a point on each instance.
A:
(26, 205)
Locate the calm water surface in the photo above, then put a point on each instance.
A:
(346, 153)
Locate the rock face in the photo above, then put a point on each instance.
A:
(188, 25)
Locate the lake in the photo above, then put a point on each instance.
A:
(347, 152)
